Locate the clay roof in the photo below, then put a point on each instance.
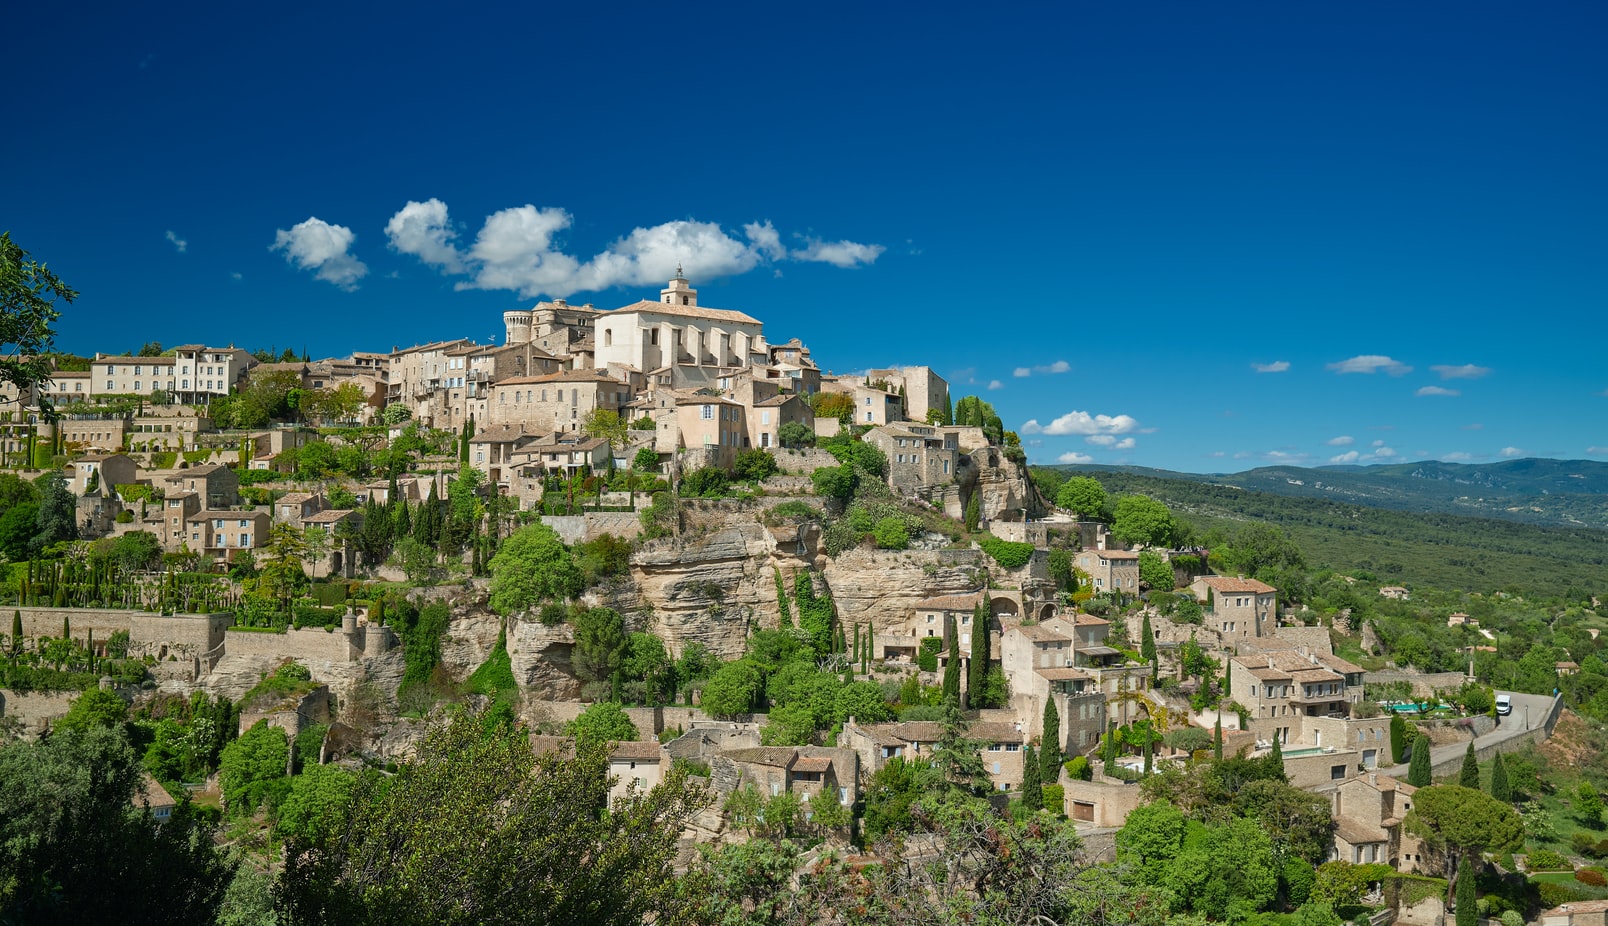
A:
(563, 376)
(1116, 554)
(541, 745)
(1267, 673)
(1358, 833)
(1039, 633)
(818, 764)
(206, 515)
(964, 602)
(685, 311)
(1089, 620)
(1238, 584)
(990, 732)
(1062, 674)
(637, 750)
(776, 400)
(505, 432)
(154, 795)
(1339, 665)
(1578, 906)
(775, 756)
(295, 498)
(916, 731)
(205, 469)
(329, 516)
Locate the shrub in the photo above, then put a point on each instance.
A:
(927, 656)
(1079, 769)
(709, 482)
(754, 465)
(552, 614)
(792, 512)
(1545, 860)
(1055, 798)
(1553, 895)
(891, 534)
(1592, 876)
(1007, 553)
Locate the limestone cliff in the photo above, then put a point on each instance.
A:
(881, 587)
(1002, 486)
(711, 588)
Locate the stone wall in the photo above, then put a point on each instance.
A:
(803, 461)
(1425, 684)
(46, 622)
(1513, 743)
(1104, 803)
(34, 709)
(309, 644)
(882, 586)
(573, 529)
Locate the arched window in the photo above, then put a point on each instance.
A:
(608, 338)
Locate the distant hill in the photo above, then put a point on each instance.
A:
(1421, 546)
(1563, 493)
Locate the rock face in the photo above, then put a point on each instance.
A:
(541, 661)
(470, 639)
(1004, 486)
(882, 587)
(711, 588)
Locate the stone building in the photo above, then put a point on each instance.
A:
(918, 455)
(1237, 607)
(553, 402)
(1111, 570)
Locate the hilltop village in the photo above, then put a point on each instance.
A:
(653, 527)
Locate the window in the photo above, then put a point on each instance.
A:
(867, 416)
(136, 385)
(108, 385)
(708, 413)
(1013, 747)
(1337, 772)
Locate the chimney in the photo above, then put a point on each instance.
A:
(1373, 778)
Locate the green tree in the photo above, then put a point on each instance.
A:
(795, 435)
(836, 482)
(952, 665)
(1050, 755)
(973, 512)
(76, 848)
(58, 511)
(645, 461)
(479, 830)
(137, 551)
(1032, 783)
(1155, 571)
(316, 804)
(1418, 772)
(1500, 789)
(252, 770)
(788, 725)
(1147, 640)
(1141, 520)
(606, 425)
(1083, 496)
(977, 667)
(283, 574)
(1468, 911)
(530, 567)
(731, 690)
(28, 295)
(1398, 739)
(1588, 804)
(600, 645)
(754, 465)
(1150, 840)
(604, 722)
(1469, 775)
(94, 708)
(1224, 871)
(1463, 823)
(16, 633)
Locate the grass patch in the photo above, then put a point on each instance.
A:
(495, 677)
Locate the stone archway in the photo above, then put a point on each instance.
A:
(1046, 611)
(1003, 606)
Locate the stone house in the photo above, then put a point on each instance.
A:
(555, 401)
(105, 471)
(914, 741)
(636, 766)
(1368, 811)
(1237, 607)
(677, 333)
(151, 797)
(216, 484)
(1576, 913)
(133, 375)
(1111, 570)
(1289, 687)
(97, 432)
(918, 455)
(714, 424)
(168, 518)
(340, 556)
(417, 374)
(928, 619)
(564, 454)
(296, 507)
(205, 373)
(67, 386)
(807, 771)
(494, 450)
(221, 535)
(921, 388)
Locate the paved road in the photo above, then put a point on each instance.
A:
(1529, 712)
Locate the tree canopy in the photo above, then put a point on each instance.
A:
(530, 567)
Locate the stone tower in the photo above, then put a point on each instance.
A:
(518, 326)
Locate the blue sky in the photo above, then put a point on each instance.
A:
(1104, 218)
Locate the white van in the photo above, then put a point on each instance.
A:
(1504, 704)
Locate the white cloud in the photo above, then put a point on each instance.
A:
(1384, 453)
(1597, 451)
(317, 245)
(1371, 363)
(1344, 440)
(1436, 390)
(179, 244)
(1512, 452)
(422, 229)
(1350, 456)
(1074, 457)
(1476, 426)
(1277, 366)
(1078, 422)
(1281, 456)
(1457, 456)
(1379, 452)
(1059, 366)
(236, 276)
(520, 249)
(843, 254)
(995, 384)
(1127, 443)
(1466, 371)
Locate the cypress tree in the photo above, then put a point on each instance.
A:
(1050, 756)
(1500, 789)
(1147, 755)
(403, 521)
(856, 656)
(952, 666)
(1469, 776)
(977, 669)
(1398, 739)
(1275, 761)
(973, 513)
(16, 632)
(1032, 787)
(1217, 738)
(1468, 911)
(66, 627)
(1147, 641)
(1418, 772)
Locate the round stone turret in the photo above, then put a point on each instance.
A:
(517, 324)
